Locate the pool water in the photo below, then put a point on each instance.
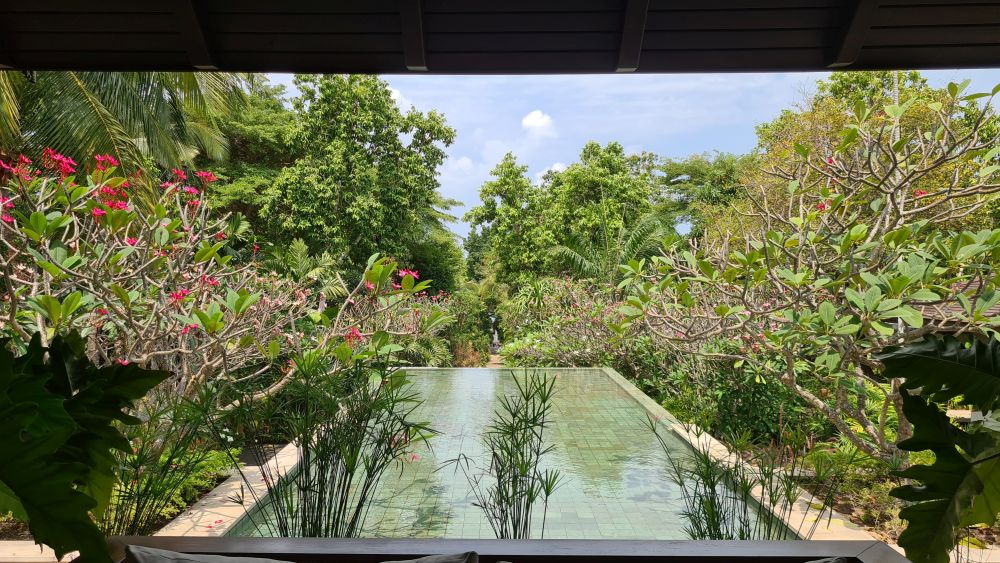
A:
(615, 483)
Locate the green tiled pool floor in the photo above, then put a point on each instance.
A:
(614, 478)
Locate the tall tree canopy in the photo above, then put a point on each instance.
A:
(343, 168)
(509, 227)
(698, 183)
(595, 197)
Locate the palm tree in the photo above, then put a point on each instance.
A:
(166, 118)
(600, 260)
(319, 271)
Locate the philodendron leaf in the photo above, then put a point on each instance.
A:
(959, 489)
(58, 415)
(946, 367)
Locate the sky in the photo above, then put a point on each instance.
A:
(546, 120)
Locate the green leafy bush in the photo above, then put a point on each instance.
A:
(59, 417)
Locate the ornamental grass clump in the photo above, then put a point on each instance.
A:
(749, 493)
(350, 414)
(509, 488)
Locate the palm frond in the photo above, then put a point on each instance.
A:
(578, 257)
(643, 239)
(11, 83)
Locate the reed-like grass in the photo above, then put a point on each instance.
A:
(350, 427)
(508, 488)
(750, 492)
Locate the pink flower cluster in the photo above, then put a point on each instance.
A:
(20, 168)
(178, 296)
(188, 329)
(52, 160)
(404, 272)
(103, 161)
(206, 176)
(353, 336)
(209, 280)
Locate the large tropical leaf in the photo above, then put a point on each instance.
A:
(946, 367)
(57, 429)
(962, 486)
(578, 257)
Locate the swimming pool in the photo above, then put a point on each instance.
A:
(615, 483)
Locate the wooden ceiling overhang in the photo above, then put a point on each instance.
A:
(498, 36)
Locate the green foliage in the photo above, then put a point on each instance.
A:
(366, 180)
(150, 280)
(513, 480)
(602, 194)
(438, 257)
(471, 333)
(728, 401)
(350, 413)
(58, 431)
(319, 272)
(962, 485)
(168, 465)
(510, 223)
(871, 87)
(601, 260)
(167, 117)
(839, 266)
(698, 185)
(746, 494)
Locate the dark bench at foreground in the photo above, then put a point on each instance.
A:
(312, 550)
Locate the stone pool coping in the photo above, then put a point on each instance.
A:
(217, 512)
(837, 527)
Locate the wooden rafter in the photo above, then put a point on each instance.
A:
(633, 29)
(853, 36)
(411, 18)
(192, 31)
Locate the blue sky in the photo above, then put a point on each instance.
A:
(545, 120)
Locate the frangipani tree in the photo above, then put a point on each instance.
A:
(153, 283)
(850, 258)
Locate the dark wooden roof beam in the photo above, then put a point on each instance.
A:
(411, 18)
(633, 29)
(852, 37)
(192, 30)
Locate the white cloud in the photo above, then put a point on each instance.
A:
(401, 101)
(556, 167)
(463, 163)
(539, 123)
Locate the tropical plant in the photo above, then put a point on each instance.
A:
(146, 284)
(849, 259)
(60, 420)
(156, 285)
(320, 272)
(748, 493)
(350, 414)
(513, 482)
(601, 260)
(169, 448)
(961, 487)
(164, 117)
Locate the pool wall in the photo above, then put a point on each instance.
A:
(217, 514)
